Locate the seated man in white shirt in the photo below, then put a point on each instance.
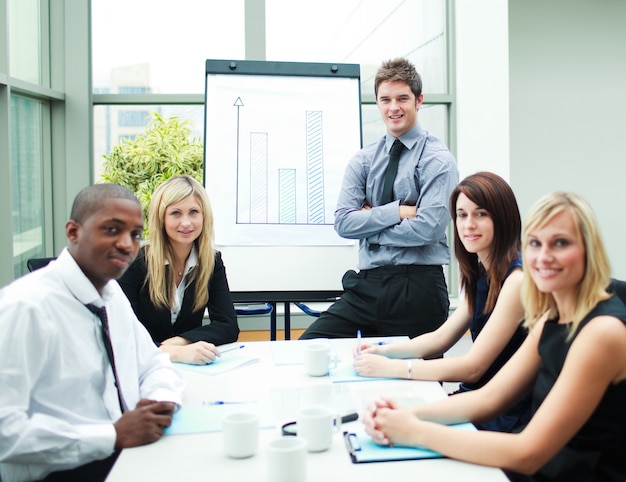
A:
(63, 401)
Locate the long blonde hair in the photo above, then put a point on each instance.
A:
(159, 250)
(597, 275)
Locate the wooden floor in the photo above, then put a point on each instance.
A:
(264, 335)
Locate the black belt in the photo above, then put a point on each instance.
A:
(383, 271)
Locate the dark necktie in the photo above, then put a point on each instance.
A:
(390, 177)
(390, 173)
(106, 338)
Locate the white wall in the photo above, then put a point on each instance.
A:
(482, 87)
(568, 107)
(541, 92)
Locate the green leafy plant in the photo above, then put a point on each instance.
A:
(141, 164)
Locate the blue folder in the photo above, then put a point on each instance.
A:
(363, 449)
(208, 418)
(345, 372)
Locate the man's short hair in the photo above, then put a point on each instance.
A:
(398, 69)
(92, 198)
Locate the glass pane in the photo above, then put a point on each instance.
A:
(114, 123)
(433, 118)
(160, 46)
(26, 182)
(364, 32)
(24, 40)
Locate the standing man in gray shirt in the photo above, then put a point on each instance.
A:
(400, 288)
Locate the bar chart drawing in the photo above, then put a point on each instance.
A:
(258, 177)
(287, 196)
(278, 139)
(315, 167)
(261, 201)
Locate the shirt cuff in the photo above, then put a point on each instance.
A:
(98, 440)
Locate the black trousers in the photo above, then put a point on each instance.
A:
(388, 301)
(95, 471)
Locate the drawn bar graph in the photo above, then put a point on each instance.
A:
(287, 196)
(298, 195)
(258, 177)
(315, 167)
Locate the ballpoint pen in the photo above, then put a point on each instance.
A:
(358, 342)
(232, 348)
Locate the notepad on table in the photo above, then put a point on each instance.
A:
(363, 449)
(345, 372)
(224, 363)
(208, 418)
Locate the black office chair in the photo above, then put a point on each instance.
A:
(35, 263)
(619, 288)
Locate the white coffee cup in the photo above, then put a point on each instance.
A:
(287, 459)
(316, 424)
(318, 359)
(241, 434)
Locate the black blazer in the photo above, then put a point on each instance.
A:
(223, 327)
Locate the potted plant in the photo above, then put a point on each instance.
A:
(165, 150)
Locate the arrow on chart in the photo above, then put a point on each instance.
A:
(238, 103)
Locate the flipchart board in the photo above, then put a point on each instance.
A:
(278, 136)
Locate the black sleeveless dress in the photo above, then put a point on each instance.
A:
(519, 414)
(597, 453)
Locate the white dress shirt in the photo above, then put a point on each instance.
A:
(179, 294)
(58, 401)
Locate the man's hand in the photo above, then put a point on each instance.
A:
(143, 425)
(407, 212)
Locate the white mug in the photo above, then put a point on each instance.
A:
(241, 434)
(287, 459)
(316, 425)
(318, 359)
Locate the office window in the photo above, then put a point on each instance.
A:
(27, 209)
(108, 133)
(364, 32)
(132, 118)
(126, 137)
(124, 89)
(162, 45)
(25, 40)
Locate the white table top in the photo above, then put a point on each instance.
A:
(285, 387)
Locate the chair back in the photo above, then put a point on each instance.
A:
(246, 309)
(619, 288)
(35, 263)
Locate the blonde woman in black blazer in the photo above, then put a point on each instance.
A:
(178, 275)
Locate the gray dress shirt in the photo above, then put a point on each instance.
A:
(427, 174)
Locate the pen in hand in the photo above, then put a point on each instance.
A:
(358, 342)
(232, 348)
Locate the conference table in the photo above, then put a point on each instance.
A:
(268, 377)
